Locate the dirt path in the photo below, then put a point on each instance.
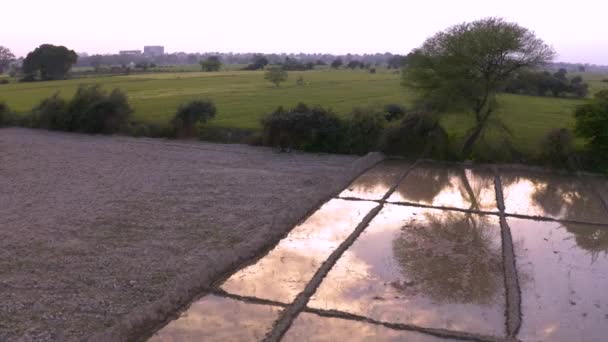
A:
(93, 228)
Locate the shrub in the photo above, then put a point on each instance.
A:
(394, 112)
(51, 113)
(364, 128)
(557, 148)
(418, 135)
(4, 81)
(372, 70)
(93, 110)
(592, 124)
(302, 127)
(189, 116)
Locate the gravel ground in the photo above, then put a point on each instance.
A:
(93, 229)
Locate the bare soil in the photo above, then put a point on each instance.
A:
(94, 229)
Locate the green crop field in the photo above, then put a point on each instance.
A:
(243, 97)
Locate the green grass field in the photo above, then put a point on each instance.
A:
(243, 97)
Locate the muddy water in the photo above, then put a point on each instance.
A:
(563, 271)
(313, 328)
(434, 268)
(554, 196)
(438, 185)
(425, 267)
(219, 319)
(375, 183)
(286, 270)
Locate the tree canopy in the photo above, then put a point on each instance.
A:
(6, 57)
(49, 62)
(468, 63)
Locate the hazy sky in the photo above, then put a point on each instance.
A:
(576, 29)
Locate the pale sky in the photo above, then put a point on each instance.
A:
(576, 29)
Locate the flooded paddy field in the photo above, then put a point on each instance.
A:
(426, 252)
(94, 229)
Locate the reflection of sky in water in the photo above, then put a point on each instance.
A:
(564, 282)
(286, 270)
(441, 186)
(551, 196)
(312, 328)
(371, 280)
(375, 183)
(428, 267)
(215, 318)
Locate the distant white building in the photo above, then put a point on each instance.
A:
(154, 51)
(130, 52)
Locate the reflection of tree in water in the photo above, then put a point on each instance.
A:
(424, 184)
(381, 177)
(371, 184)
(556, 195)
(471, 191)
(451, 258)
(593, 240)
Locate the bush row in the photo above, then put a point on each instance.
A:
(91, 110)
(418, 134)
(391, 129)
(96, 111)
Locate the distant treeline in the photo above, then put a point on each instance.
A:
(573, 67)
(544, 83)
(181, 58)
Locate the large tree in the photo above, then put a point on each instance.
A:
(468, 63)
(6, 57)
(50, 62)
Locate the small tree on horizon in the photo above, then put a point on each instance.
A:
(276, 75)
(211, 64)
(469, 63)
